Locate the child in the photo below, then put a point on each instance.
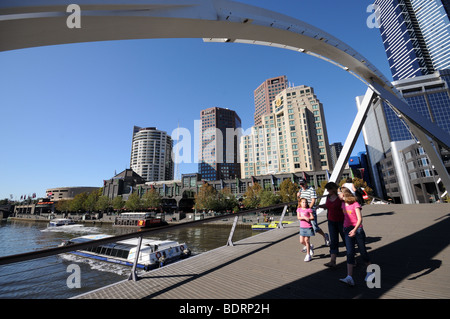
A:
(354, 233)
(305, 215)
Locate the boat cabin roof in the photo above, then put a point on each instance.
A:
(126, 243)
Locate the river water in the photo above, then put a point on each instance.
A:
(47, 278)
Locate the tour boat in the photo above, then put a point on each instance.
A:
(153, 253)
(61, 222)
(271, 225)
(141, 220)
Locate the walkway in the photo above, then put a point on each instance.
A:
(410, 243)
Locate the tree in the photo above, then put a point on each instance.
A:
(118, 203)
(288, 191)
(251, 196)
(63, 205)
(103, 203)
(268, 198)
(134, 202)
(91, 201)
(151, 199)
(226, 200)
(205, 199)
(77, 203)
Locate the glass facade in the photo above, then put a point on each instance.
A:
(219, 157)
(434, 24)
(416, 36)
(430, 97)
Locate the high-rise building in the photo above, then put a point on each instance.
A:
(219, 144)
(151, 154)
(293, 138)
(265, 94)
(416, 36)
(335, 151)
(384, 129)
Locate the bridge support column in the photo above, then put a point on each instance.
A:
(133, 276)
(280, 224)
(230, 238)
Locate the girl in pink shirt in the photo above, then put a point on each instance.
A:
(305, 215)
(354, 233)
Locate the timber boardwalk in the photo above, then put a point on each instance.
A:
(410, 244)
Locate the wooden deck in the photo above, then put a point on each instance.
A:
(410, 243)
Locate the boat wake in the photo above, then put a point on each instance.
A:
(93, 264)
(75, 228)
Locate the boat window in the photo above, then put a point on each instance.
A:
(121, 251)
(91, 248)
(97, 249)
(107, 248)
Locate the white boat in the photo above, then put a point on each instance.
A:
(153, 253)
(61, 222)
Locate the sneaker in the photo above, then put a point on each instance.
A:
(308, 258)
(311, 250)
(327, 240)
(348, 280)
(304, 248)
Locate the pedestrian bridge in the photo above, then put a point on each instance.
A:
(28, 24)
(409, 243)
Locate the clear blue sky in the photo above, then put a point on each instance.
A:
(67, 111)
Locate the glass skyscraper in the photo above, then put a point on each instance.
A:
(416, 36)
(428, 95)
(219, 144)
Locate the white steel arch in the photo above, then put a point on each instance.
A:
(32, 23)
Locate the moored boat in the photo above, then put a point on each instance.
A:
(141, 220)
(153, 253)
(61, 222)
(271, 225)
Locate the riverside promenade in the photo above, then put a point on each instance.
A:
(410, 244)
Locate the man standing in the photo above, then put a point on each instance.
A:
(310, 194)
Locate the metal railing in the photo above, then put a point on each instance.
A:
(5, 260)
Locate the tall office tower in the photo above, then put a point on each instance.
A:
(265, 94)
(293, 138)
(219, 144)
(416, 36)
(430, 96)
(335, 151)
(151, 154)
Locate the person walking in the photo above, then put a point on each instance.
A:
(354, 233)
(310, 194)
(335, 217)
(349, 185)
(305, 216)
